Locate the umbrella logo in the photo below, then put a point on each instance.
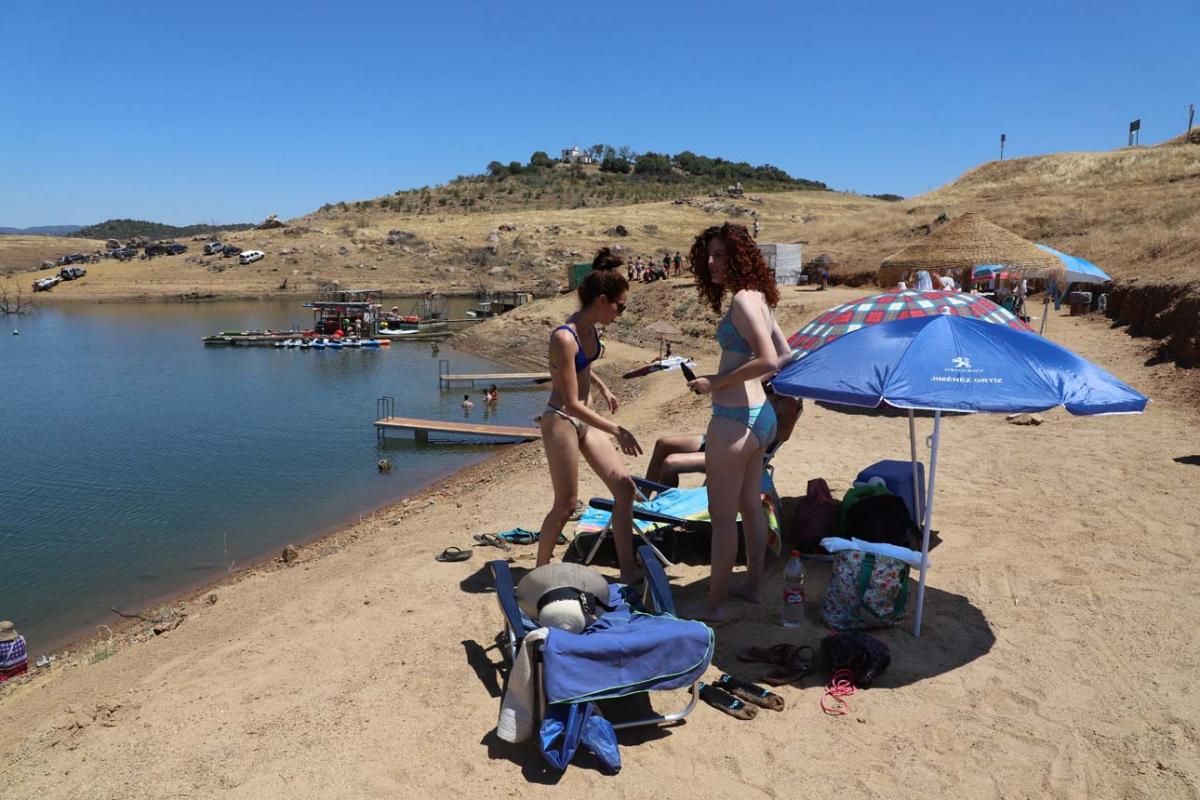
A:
(961, 362)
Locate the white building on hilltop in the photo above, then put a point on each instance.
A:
(573, 155)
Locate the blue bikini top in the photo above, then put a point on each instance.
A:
(729, 338)
(582, 362)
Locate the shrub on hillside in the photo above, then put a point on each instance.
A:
(615, 165)
(540, 160)
(652, 164)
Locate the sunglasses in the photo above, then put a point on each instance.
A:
(620, 307)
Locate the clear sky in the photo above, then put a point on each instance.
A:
(221, 111)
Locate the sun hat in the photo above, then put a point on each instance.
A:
(8, 631)
(564, 596)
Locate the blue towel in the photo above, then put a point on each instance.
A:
(625, 652)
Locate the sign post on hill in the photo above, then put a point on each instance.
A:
(1002, 137)
(1134, 128)
(1191, 116)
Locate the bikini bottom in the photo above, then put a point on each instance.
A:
(759, 419)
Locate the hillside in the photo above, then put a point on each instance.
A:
(130, 228)
(1135, 212)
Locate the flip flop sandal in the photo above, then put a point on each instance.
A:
(775, 654)
(453, 554)
(798, 663)
(751, 693)
(522, 536)
(491, 540)
(724, 701)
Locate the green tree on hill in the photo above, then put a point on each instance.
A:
(653, 164)
(615, 165)
(540, 160)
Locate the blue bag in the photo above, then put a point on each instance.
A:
(568, 725)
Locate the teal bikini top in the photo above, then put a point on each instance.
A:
(729, 338)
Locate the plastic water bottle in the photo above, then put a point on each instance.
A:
(793, 592)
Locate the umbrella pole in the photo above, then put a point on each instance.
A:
(1045, 313)
(912, 446)
(933, 454)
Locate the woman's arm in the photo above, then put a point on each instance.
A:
(605, 392)
(783, 350)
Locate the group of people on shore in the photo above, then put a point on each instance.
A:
(744, 424)
(649, 270)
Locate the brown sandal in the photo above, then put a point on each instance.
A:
(791, 661)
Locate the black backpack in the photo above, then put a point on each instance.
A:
(882, 518)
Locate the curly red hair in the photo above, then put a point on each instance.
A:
(747, 268)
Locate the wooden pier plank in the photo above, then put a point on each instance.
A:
(468, 428)
(495, 376)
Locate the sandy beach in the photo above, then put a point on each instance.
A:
(1057, 659)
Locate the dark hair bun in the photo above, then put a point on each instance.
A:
(607, 259)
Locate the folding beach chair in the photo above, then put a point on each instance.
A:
(638, 647)
(672, 507)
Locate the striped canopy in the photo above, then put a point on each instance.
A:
(897, 304)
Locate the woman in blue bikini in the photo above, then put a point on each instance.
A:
(726, 259)
(568, 421)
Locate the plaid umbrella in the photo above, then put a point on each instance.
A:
(897, 304)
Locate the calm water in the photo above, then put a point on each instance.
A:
(135, 462)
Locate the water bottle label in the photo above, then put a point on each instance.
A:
(793, 595)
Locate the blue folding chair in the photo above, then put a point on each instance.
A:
(640, 646)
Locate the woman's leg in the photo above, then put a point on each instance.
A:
(667, 446)
(730, 444)
(754, 526)
(598, 449)
(561, 442)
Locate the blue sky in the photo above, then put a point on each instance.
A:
(223, 111)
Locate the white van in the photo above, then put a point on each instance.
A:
(250, 256)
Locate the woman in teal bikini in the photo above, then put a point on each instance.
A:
(726, 259)
(570, 427)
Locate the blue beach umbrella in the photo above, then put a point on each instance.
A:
(949, 363)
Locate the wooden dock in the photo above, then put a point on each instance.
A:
(445, 377)
(423, 427)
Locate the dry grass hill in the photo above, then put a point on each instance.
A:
(1135, 212)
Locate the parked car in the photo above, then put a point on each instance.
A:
(250, 256)
(213, 247)
(71, 273)
(46, 284)
(231, 250)
(175, 249)
(78, 258)
(124, 253)
(156, 249)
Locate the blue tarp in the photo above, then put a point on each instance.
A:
(625, 652)
(1079, 270)
(955, 364)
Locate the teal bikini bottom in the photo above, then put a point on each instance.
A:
(759, 419)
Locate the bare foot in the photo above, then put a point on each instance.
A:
(702, 612)
(747, 595)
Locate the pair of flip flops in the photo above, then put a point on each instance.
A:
(739, 699)
(453, 554)
(791, 661)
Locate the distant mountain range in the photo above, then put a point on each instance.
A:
(41, 230)
(123, 229)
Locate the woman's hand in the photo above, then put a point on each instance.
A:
(628, 444)
(609, 398)
(701, 385)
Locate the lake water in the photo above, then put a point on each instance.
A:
(136, 463)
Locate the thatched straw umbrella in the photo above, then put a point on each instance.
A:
(967, 242)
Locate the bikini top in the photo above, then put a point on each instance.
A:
(582, 362)
(729, 338)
